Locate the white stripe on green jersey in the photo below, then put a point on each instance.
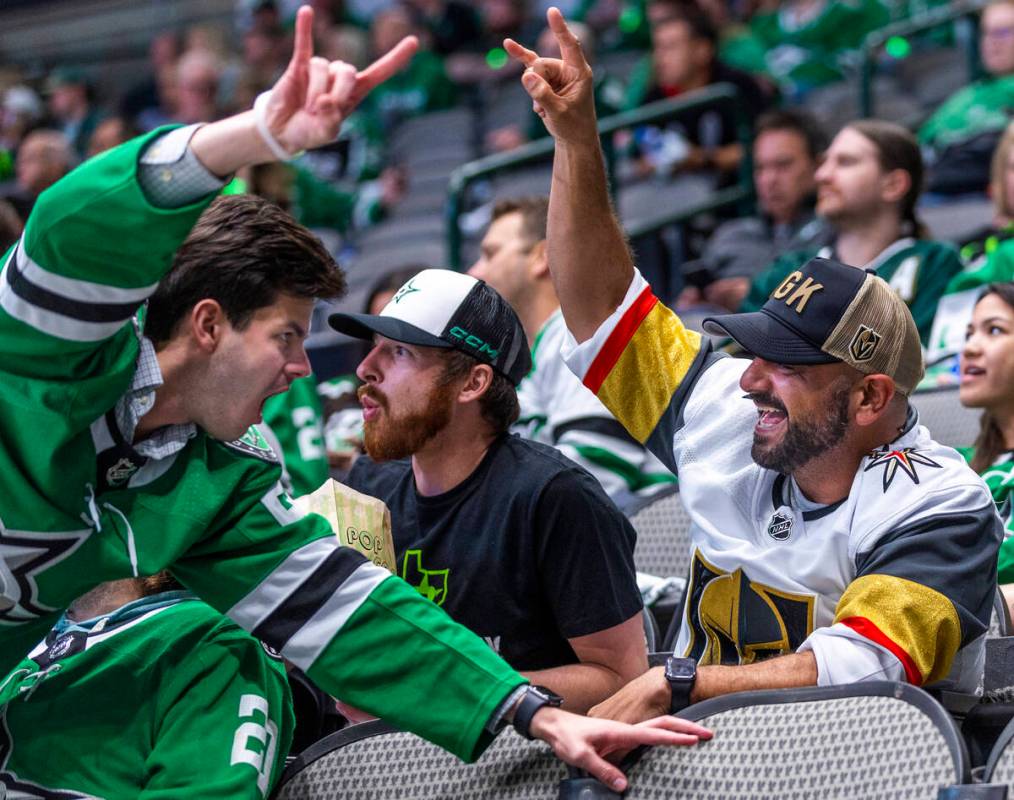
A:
(214, 513)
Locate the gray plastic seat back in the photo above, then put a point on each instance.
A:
(663, 536)
(878, 739)
(371, 761)
(949, 422)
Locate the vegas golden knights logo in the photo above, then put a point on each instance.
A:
(733, 620)
(864, 344)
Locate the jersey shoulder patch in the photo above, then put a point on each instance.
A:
(253, 443)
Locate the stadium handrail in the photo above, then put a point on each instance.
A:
(933, 18)
(719, 95)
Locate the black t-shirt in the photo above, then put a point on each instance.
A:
(710, 128)
(527, 551)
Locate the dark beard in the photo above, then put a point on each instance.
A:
(392, 437)
(805, 440)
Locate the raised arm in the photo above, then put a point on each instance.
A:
(588, 255)
(306, 107)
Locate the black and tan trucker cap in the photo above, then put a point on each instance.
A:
(826, 312)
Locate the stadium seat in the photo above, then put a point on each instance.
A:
(1000, 621)
(372, 761)
(1000, 766)
(663, 535)
(877, 739)
(948, 421)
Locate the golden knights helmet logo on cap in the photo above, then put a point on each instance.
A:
(864, 344)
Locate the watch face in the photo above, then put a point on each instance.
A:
(680, 669)
(553, 698)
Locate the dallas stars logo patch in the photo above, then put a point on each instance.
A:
(404, 291)
(905, 459)
(23, 555)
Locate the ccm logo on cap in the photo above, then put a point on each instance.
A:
(795, 291)
(473, 341)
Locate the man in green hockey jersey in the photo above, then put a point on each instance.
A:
(201, 709)
(124, 454)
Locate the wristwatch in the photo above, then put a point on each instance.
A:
(534, 698)
(681, 674)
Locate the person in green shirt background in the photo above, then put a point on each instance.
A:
(964, 130)
(987, 382)
(988, 257)
(867, 188)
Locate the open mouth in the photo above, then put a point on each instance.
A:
(769, 418)
(971, 372)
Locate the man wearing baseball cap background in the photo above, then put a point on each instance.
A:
(509, 537)
(833, 540)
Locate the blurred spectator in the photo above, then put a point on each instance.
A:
(682, 59)
(786, 149)
(109, 133)
(423, 86)
(963, 132)
(265, 54)
(979, 246)
(72, 104)
(317, 204)
(452, 25)
(867, 188)
(150, 94)
(44, 158)
(548, 578)
(21, 110)
(608, 93)
(197, 83)
(987, 382)
(556, 408)
(11, 225)
(176, 696)
(808, 42)
(988, 259)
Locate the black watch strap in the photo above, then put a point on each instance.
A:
(533, 699)
(681, 674)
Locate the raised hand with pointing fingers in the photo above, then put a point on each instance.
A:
(314, 96)
(562, 89)
(305, 109)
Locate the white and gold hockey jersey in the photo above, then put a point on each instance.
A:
(894, 582)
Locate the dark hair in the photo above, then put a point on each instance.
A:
(243, 252)
(159, 582)
(800, 122)
(391, 282)
(897, 148)
(534, 211)
(700, 24)
(499, 404)
(990, 443)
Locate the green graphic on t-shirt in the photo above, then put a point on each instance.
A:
(430, 583)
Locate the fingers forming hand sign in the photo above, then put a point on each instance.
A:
(561, 88)
(314, 96)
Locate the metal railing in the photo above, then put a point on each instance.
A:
(721, 96)
(965, 12)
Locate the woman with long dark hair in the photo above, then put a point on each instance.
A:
(987, 382)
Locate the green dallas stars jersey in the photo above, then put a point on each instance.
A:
(296, 419)
(214, 512)
(198, 707)
(999, 479)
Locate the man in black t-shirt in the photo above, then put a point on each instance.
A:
(509, 537)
